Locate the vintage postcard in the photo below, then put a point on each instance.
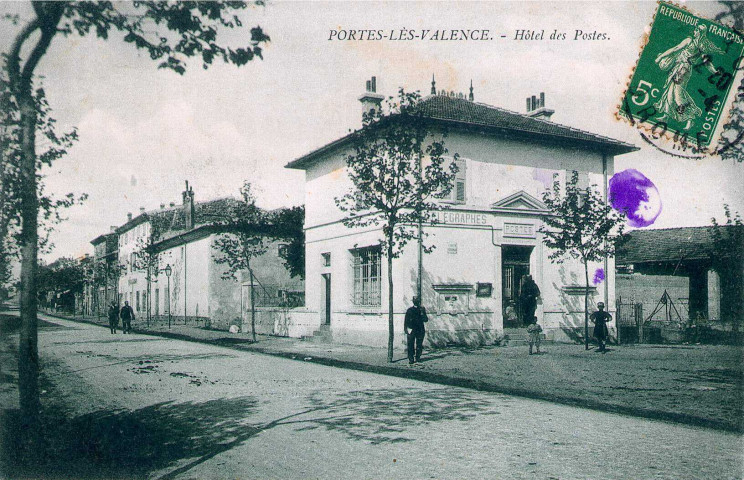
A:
(371, 240)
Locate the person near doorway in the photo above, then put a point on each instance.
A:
(415, 330)
(528, 300)
(127, 315)
(534, 332)
(600, 319)
(113, 316)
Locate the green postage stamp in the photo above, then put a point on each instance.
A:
(687, 77)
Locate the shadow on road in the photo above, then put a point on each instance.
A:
(176, 437)
(131, 444)
(384, 416)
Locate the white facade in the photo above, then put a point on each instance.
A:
(480, 241)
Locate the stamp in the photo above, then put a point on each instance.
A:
(682, 89)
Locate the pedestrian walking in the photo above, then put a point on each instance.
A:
(534, 331)
(528, 300)
(113, 317)
(127, 315)
(600, 319)
(415, 330)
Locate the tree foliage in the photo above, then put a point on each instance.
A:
(728, 261)
(581, 226)
(398, 170)
(171, 33)
(733, 131)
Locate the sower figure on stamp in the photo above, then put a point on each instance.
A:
(127, 315)
(113, 316)
(600, 319)
(528, 300)
(415, 330)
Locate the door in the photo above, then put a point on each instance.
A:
(515, 266)
(326, 300)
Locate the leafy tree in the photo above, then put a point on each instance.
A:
(580, 226)
(170, 32)
(288, 225)
(733, 131)
(245, 225)
(147, 259)
(397, 169)
(728, 261)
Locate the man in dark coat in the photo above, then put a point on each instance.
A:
(528, 300)
(127, 315)
(415, 330)
(113, 317)
(600, 319)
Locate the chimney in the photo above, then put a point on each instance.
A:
(536, 107)
(371, 99)
(433, 85)
(142, 210)
(129, 216)
(162, 206)
(113, 228)
(471, 97)
(188, 206)
(172, 204)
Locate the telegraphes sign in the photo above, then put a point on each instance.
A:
(685, 80)
(461, 218)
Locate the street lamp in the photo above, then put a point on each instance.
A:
(168, 270)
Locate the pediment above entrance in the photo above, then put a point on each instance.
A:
(519, 201)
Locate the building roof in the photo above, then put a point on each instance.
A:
(666, 245)
(462, 112)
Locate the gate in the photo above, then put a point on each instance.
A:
(629, 321)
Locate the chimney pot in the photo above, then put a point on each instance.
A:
(369, 86)
(172, 204)
(162, 206)
(534, 102)
(113, 228)
(129, 216)
(142, 209)
(374, 84)
(529, 105)
(542, 99)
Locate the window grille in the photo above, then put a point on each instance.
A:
(367, 273)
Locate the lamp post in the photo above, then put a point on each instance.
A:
(168, 270)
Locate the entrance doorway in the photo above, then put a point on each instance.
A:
(515, 265)
(325, 301)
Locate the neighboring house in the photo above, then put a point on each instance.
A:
(103, 279)
(486, 241)
(677, 260)
(183, 238)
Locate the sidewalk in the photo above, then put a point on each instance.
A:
(692, 384)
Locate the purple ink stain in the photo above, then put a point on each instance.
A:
(635, 195)
(599, 276)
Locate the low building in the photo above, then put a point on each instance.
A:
(677, 262)
(185, 283)
(486, 242)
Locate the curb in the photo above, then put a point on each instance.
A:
(438, 378)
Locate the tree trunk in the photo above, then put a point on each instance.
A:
(28, 355)
(586, 306)
(391, 325)
(253, 306)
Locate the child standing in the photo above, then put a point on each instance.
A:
(535, 333)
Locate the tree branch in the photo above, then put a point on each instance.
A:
(14, 60)
(48, 22)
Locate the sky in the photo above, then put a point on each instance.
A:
(144, 131)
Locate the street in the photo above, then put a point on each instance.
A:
(149, 407)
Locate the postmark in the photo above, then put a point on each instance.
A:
(682, 89)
